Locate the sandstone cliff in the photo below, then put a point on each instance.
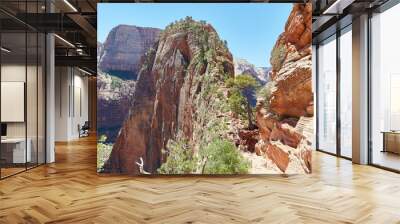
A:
(284, 115)
(178, 95)
(114, 98)
(124, 47)
(119, 60)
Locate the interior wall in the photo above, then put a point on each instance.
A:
(33, 126)
(15, 73)
(71, 102)
(80, 109)
(61, 103)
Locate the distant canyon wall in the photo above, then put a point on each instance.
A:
(124, 47)
(119, 62)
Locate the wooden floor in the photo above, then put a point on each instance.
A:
(386, 159)
(70, 191)
(5, 172)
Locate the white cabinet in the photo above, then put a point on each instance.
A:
(17, 146)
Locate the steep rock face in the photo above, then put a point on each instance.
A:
(124, 47)
(291, 65)
(113, 102)
(285, 124)
(293, 89)
(173, 96)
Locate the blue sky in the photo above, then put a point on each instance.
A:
(250, 29)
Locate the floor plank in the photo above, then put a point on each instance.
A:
(70, 191)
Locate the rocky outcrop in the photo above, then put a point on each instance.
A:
(119, 60)
(114, 98)
(285, 118)
(242, 66)
(178, 93)
(248, 139)
(124, 48)
(291, 66)
(293, 90)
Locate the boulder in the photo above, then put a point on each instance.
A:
(286, 134)
(249, 138)
(279, 157)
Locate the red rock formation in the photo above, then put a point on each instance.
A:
(298, 26)
(124, 47)
(294, 89)
(286, 134)
(291, 65)
(278, 156)
(169, 96)
(281, 125)
(249, 139)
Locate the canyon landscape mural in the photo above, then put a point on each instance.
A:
(178, 99)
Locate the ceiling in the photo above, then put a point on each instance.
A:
(331, 15)
(75, 23)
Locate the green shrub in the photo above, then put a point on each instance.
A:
(102, 138)
(242, 87)
(237, 103)
(103, 153)
(222, 157)
(246, 81)
(115, 82)
(180, 159)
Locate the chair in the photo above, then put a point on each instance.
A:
(84, 130)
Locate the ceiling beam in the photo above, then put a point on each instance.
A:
(86, 26)
(337, 7)
(77, 61)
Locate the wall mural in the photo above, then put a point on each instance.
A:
(204, 89)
